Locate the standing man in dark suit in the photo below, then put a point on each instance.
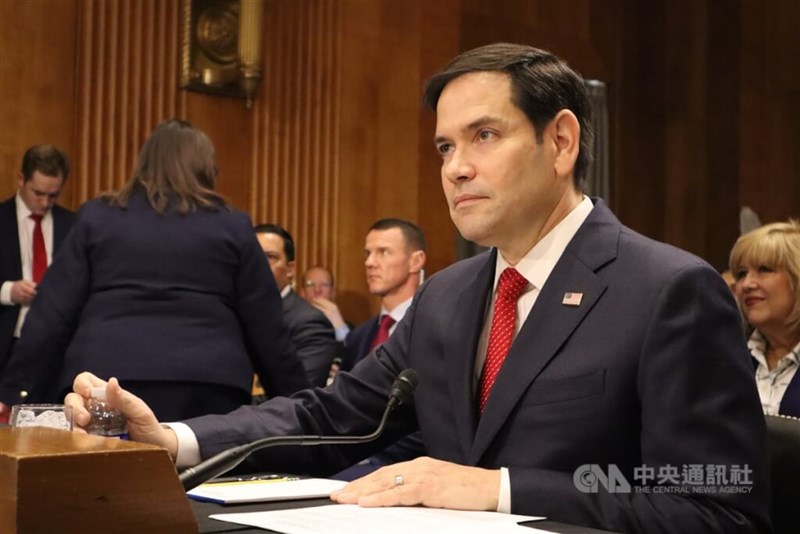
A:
(309, 329)
(574, 344)
(32, 228)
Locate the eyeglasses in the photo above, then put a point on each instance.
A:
(317, 285)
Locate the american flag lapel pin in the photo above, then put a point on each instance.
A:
(572, 299)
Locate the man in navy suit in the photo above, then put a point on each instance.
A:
(44, 171)
(574, 342)
(309, 329)
(394, 259)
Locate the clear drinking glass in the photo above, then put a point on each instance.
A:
(49, 415)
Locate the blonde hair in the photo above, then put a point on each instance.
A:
(776, 245)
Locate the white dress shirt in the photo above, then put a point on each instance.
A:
(25, 226)
(397, 313)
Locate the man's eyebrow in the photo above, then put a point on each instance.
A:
(474, 125)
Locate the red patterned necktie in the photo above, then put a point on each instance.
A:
(383, 331)
(39, 252)
(509, 288)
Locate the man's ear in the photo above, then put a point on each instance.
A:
(417, 261)
(290, 271)
(21, 179)
(566, 132)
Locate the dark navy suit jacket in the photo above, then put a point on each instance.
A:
(11, 262)
(356, 348)
(149, 297)
(312, 336)
(790, 403)
(650, 369)
(356, 345)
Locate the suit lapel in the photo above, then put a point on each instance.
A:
(790, 403)
(60, 228)
(461, 344)
(8, 223)
(366, 341)
(550, 323)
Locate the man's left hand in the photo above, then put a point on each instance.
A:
(426, 482)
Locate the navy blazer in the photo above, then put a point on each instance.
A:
(155, 297)
(11, 261)
(356, 345)
(790, 402)
(650, 369)
(313, 337)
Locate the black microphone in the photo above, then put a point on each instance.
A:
(401, 392)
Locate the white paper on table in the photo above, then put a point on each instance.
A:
(266, 490)
(353, 519)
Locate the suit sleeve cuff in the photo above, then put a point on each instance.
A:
(5, 294)
(188, 447)
(504, 499)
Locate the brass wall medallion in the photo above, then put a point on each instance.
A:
(217, 29)
(209, 51)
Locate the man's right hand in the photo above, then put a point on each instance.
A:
(142, 423)
(23, 292)
(331, 311)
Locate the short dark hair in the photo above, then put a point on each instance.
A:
(47, 159)
(414, 238)
(288, 242)
(541, 85)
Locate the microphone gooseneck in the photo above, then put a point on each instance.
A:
(401, 392)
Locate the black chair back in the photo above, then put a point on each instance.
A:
(783, 442)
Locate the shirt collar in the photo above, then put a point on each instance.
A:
(23, 213)
(758, 348)
(398, 311)
(286, 290)
(540, 261)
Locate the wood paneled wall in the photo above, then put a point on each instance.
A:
(704, 109)
(126, 65)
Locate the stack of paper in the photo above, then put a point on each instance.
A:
(265, 490)
(352, 519)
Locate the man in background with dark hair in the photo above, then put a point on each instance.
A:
(309, 329)
(32, 228)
